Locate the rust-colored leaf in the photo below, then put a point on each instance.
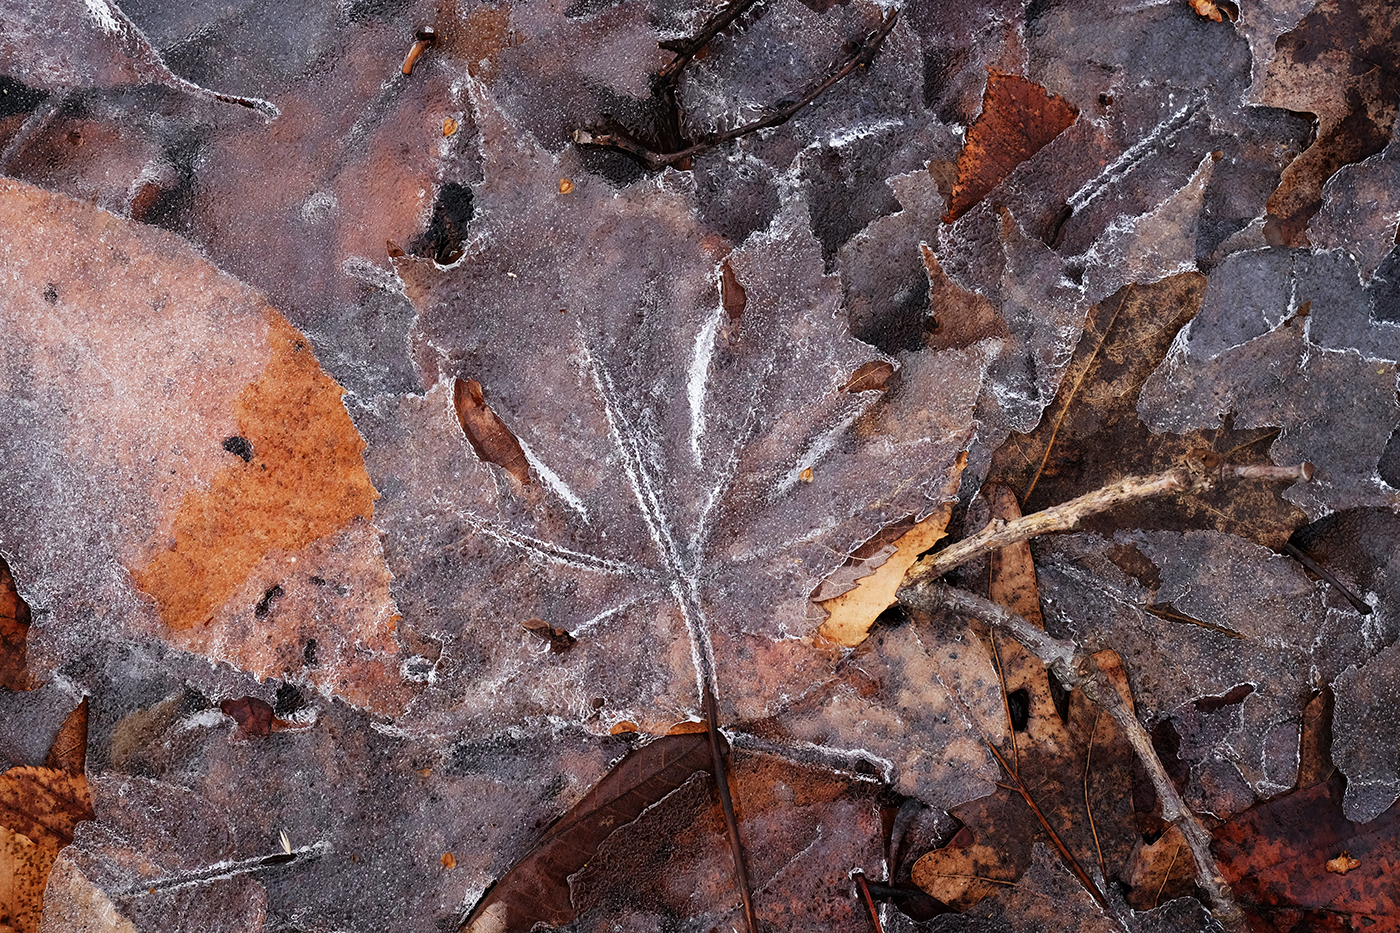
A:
(873, 376)
(14, 633)
(487, 433)
(39, 809)
(254, 716)
(536, 889)
(69, 749)
(1276, 857)
(558, 638)
(1018, 118)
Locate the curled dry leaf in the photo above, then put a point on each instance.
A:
(537, 889)
(488, 434)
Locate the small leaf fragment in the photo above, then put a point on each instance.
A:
(254, 716)
(487, 433)
(1342, 864)
(732, 295)
(69, 749)
(559, 640)
(873, 376)
(14, 633)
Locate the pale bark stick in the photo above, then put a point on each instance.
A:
(1067, 515)
(1075, 669)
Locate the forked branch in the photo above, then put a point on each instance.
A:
(1073, 668)
(1067, 515)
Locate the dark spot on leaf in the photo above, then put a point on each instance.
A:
(308, 654)
(239, 446)
(1018, 705)
(51, 293)
(18, 98)
(1060, 697)
(452, 212)
(288, 701)
(265, 604)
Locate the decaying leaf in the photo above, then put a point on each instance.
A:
(14, 633)
(488, 434)
(1018, 118)
(536, 889)
(1279, 858)
(559, 640)
(194, 534)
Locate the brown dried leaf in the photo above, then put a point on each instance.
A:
(44, 804)
(536, 889)
(1160, 870)
(1091, 434)
(222, 465)
(14, 633)
(486, 432)
(69, 750)
(254, 716)
(1018, 118)
(870, 377)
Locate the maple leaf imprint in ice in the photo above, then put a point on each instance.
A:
(696, 468)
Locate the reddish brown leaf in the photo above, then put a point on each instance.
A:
(69, 749)
(873, 376)
(558, 638)
(536, 890)
(14, 633)
(1018, 119)
(488, 434)
(44, 804)
(1277, 855)
(254, 716)
(731, 294)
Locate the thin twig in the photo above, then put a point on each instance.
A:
(863, 56)
(726, 803)
(1301, 557)
(869, 902)
(1075, 669)
(1065, 854)
(1067, 515)
(686, 49)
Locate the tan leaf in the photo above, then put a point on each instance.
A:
(73, 904)
(851, 614)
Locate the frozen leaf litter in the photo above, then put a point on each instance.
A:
(1163, 175)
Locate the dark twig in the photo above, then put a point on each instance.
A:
(863, 56)
(726, 803)
(1075, 669)
(687, 49)
(1297, 553)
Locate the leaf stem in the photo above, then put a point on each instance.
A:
(726, 803)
